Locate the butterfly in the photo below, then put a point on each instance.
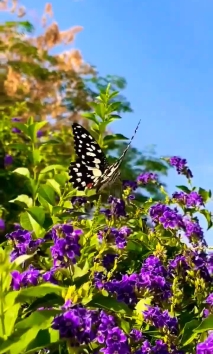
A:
(91, 169)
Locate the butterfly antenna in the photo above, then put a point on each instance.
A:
(127, 148)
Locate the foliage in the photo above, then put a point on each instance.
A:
(32, 66)
(91, 277)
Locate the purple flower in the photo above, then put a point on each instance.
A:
(147, 177)
(2, 225)
(206, 313)
(16, 280)
(39, 133)
(67, 248)
(136, 335)
(166, 216)
(193, 199)
(200, 261)
(209, 299)
(49, 276)
(179, 265)
(117, 208)
(115, 335)
(205, 347)
(193, 231)
(116, 348)
(115, 236)
(22, 243)
(145, 348)
(157, 210)
(99, 277)
(181, 166)
(108, 260)
(8, 160)
(132, 185)
(30, 276)
(78, 201)
(81, 325)
(161, 319)
(16, 130)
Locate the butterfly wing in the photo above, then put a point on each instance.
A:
(91, 162)
(112, 172)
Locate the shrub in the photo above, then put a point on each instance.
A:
(79, 275)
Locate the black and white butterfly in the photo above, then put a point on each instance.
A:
(91, 169)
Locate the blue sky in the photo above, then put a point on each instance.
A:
(164, 50)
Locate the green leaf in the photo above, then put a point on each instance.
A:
(21, 259)
(47, 193)
(207, 216)
(204, 194)
(113, 107)
(184, 189)
(29, 223)
(37, 214)
(33, 129)
(90, 116)
(52, 183)
(188, 335)
(61, 179)
(22, 127)
(41, 319)
(110, 304)
(44, 338)
(79, 272)
(23, 200)
(22, 171)
(18, 341)
(51, 168)
(114, 137)
(113, 117)
(38, 291)
(31, 186)
(35, 156)
(10, 317)
(206, 325)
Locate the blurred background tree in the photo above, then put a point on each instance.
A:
(37, 80)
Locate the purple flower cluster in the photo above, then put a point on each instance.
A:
(181, 166)
(193, 231)
(29, 277)
(81, 326)
(23, 243)
(66, 245)
(116, 208)
(178, 265)
(169, 218)
(111, 235)
(193, 199)
(205, 347)
(78, 201)
(147, 177)
(161, 319)
(108, 260)
(153, 278)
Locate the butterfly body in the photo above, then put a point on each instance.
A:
(91, 169)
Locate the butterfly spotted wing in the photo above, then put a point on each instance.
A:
(91, 161)
(112, 172)
(91, 169)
